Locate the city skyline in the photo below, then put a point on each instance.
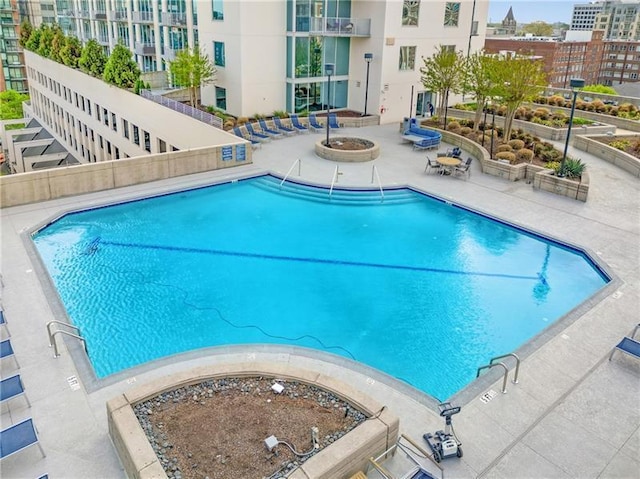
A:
(527, 11)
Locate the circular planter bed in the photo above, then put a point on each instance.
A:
(347, 149)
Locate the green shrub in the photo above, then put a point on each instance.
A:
(542, 113)
(524, 155)
(506, 155)
(504, 147)
(553, 165)
(465, 130)
(242, 120)
(620, 144)
(281, 114)
(453, 125)
(573, 168)
(516, 144)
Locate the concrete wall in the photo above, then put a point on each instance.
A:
(624, 123)
(612, 155)
(343, 458)
(45, 185)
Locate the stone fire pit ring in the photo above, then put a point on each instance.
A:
(369, 150)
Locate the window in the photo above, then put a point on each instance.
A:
(114, 123)
(407, 58)
(221, 98)
(147, 141)
(125, 128)
(105, 116)
(448, 48)
(410, 12)
(451, 14)
(162, 146)
(136, 135)
(218, 13)
(218, 54)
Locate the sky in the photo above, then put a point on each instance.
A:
(527, 11)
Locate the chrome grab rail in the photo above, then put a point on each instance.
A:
(374, 170)
(290, 169)
(334, 181)
(506, 373)
(52, 341)
(511, 355)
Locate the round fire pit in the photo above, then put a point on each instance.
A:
(348, 149)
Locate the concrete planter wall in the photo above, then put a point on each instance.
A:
(345, 457)
(619, 158)
(545, 180)
(624, 123)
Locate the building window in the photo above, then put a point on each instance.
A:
(410, 12)
(114, 123)
(218, 13)
(218, 54)
(125, 128)
(451, 14)
(221, 98)
(407, 58)
(147, 141)
(105, 116)
(136, 135)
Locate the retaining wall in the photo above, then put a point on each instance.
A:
(619, 158)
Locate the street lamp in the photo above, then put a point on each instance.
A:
(493, 125)
(484, 123)
(328, 68)
(367, 58)
(575, 84)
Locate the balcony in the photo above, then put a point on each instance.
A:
(119, 16)
(99, 15)
(174, 19)
(145, 48)
(142, 17)
(336, 26)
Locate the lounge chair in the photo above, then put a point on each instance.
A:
(268, 131)
(3, 322)
(333, 121)
(464, 168)
(295, 122)
(18, 437)
(455, 153)
(12, 387)
(284, 129)
(238, 132)
(431, 164)
(313, 123)
(256, 135)
(6, 351)
(628, 346)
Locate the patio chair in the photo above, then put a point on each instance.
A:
(628, 346)
(256, 135)
(238, 132)
(464, 168)
(455, 153)
(314, 124)
(6, 351)
(18, 437)
(431, 164)
(295, 122)
(3, 322)
(12, 387)
(284, 129)
(267, 130)
(333, 121)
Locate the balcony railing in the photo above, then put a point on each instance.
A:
(200, 115)
(337, 26)
(142, 17)
(99, 15)
(145, 48)
(119, 16)
(174, 19)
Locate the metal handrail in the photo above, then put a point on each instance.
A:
(512, 355)
(61, 323)
(290, 169)
(55, 345)
(506, 373)
(334, 181)
(375, 170)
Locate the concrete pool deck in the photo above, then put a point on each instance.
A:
(573, 413)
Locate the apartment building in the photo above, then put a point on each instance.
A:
(12, 68)
(619, 20)
(584, 15)
(619, 60)
(271, 54)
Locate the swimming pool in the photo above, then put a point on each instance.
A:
(397, 285)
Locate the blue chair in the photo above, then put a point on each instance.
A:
(628, 346)
(3, 322)
(314, 124)
(238, 132)
(284, 129)
(333, 121)
(18, 437)
(267, 130)
(12, 387)
(256, 135)
(6, 351)
(295, 122)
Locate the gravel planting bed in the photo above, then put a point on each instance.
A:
(217, 429)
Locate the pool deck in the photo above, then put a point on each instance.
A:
(572, 414)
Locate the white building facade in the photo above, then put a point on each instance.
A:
(584, 15)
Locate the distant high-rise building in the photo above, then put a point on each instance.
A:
(584, 15)
(12, 68)
(619, 20)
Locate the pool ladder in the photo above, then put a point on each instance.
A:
(299, 163)
(52, 336)
(493, 363)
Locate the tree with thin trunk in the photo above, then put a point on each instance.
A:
(516, 79)
(443, 73)
(192, 69)
(478, 82)
(93, 59)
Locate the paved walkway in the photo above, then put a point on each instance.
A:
(573, 414)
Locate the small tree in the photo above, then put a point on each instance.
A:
(93, 59)
(443, 73)
(57, 43)
(11, 104)
(46, 39)
(26, 29)
(120, 69)
(71, 51)
(539, 29)
(192, 69)
(33, 43)
(478, 82)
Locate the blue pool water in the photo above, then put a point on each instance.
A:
(397, 285)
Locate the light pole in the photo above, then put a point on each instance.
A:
(367, 58)
(484, 123)
(328, 68)
(493, 126)
(575, 84)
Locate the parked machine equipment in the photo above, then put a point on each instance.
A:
(445, 444)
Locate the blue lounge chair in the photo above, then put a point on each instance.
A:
(628, 346)
(295, 122)
(256, 135)
(12, 387)
(333, 121)
(3, 321)
(284, 129)
(6, 351)
(18, 437)
(267, 130)
(313, 123)
(238, 132)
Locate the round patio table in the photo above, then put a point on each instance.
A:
(448, 163)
